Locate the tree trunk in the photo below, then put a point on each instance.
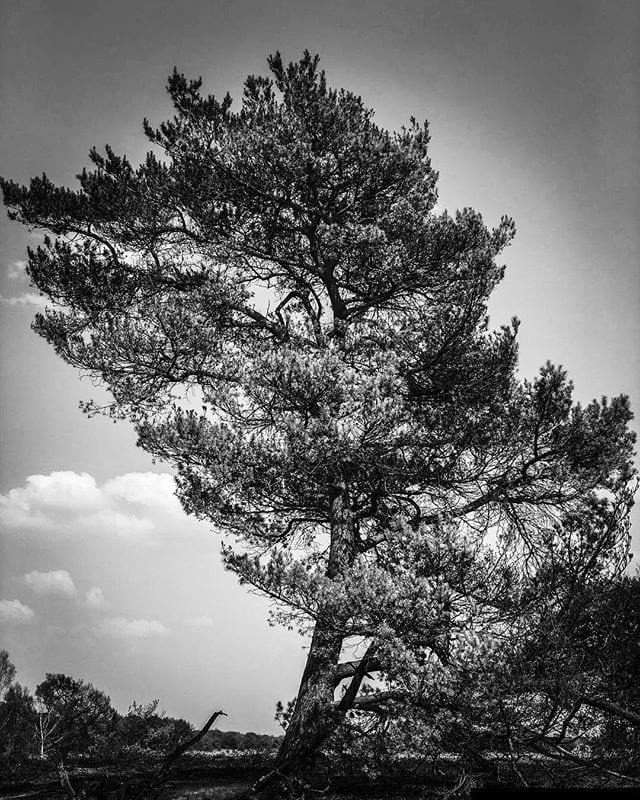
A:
(315, 715)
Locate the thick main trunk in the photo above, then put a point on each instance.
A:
(315, 715)
(313, 719)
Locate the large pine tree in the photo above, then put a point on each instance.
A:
(272, 300)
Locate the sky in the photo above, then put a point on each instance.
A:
(534, 111)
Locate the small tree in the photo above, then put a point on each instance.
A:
(589, 654)
(16, 724)
(136, 725)
(16, 715)
(282, 315)
(7, 672)
(143, 728)
(71, 716)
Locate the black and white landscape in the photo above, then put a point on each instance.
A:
(319, 364)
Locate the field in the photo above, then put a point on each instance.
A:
(222, 775)
(199, 776)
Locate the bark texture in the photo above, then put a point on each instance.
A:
(316, 714)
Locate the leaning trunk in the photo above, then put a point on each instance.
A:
(315, 715)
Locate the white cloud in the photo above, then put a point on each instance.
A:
(95, 598)
(200, 622)
(152, 489)
(56, 632)
(15, 270)
(116, 523)
(45, 495)
(24, 299)
(15, 611)
(122, 628)
(129, 506)
(56, 582)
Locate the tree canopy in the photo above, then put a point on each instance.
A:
(7, 672)
(275, 304)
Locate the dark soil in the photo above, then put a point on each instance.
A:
(222, 777)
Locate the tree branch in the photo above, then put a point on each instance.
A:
(611, 708)
(349, 668)
(182, 748)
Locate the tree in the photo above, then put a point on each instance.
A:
(72, 716)
(143, 728)
(273, 302)
(555, 699)
(135, 727)
(7, 672)
(16, 711)
(593, 645)
(16, 724)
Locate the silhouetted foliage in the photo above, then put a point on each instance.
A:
(72, 716)
(235, 740)
(7, 672)
(142, 729)
(17, 718)
(69, 721)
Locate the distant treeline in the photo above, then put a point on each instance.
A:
(234, 740)
(67, 719)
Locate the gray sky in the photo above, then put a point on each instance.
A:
(534, 111)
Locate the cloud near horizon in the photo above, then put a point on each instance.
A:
(17, 275)
(122, 628)
(13, 611)
(129, 506)
(202, 621)
(24, 299)
(16, 270)
(56, 582)
(94, 598)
